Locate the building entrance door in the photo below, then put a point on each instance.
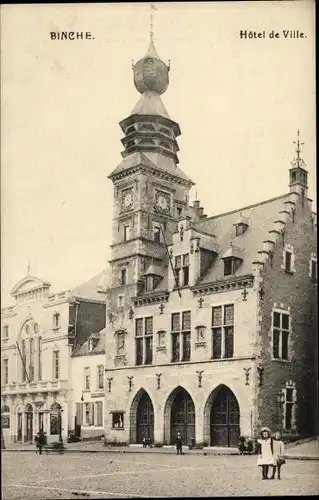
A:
(183, 417)
(29, 423)
(19, 433)
(224, 419)
(144, 419)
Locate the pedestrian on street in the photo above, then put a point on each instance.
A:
(41, 441)
(265, 451)
(36, 439)
(179, 443)
(278, 451)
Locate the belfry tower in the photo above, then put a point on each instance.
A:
(150, 191)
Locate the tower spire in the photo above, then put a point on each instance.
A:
(298, 175)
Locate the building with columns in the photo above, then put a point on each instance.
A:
(38, 335)
(211, 321)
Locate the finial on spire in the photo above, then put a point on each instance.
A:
(28, 268)
(298, 161)
(151, 23)
(195, 194)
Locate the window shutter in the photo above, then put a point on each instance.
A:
(99, 413)
(91, 413)
(79, 413)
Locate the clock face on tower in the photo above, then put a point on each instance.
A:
(162, 201)
(127, 199)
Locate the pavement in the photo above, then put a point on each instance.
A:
(307, 449)
(31, 476)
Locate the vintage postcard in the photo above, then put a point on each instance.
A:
(159, 250)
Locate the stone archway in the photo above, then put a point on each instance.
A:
(222, 418)
(179, 415)
(141, 417)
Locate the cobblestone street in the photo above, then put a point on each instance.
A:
(30, 476)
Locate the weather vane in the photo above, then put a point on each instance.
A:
(152, 6)
(298, 161)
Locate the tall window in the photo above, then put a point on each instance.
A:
(5, 331)
(56, 365)
(144, 341)
(182, 269)
(31, 361)
(100, 377)
(280, 335)
(40, 358)
(313, 267)
(149, 283)
(88, 413)
(5, 371)
(157, 233)
(181, 336)
(229, 266)
(223, 331)
(87, 378)
(123, 276)
(288, 260)
(24, 360)
(126, 232)
(56, 320)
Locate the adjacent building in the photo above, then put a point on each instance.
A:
(87, 406)
(211, 321)
(38, 335)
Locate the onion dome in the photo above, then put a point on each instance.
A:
(150, 72)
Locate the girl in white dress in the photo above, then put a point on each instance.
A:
(279, 450)
(265, 451)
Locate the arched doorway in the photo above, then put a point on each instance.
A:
(182, 416)
(141, 417)
(29, 423)
(144, 419)
(224, 418)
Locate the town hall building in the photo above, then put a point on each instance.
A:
(211, 321)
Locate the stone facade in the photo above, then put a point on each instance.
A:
(38, 335)
(211, 320)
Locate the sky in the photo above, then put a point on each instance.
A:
(239, 103)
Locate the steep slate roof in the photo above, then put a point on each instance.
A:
(94, 288)
(83, 350)
(150, 103)
(260, 219)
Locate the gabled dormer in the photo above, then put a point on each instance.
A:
(233, 257)
(152, 277)
(241, 225)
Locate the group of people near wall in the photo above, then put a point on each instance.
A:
(270, 450)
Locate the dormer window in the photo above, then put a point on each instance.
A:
(90, 345)
(149, 284)
(182, 269)
(229, 267)
(165, 145)
(241, 225)
(165, 131)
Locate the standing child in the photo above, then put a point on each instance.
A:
(179, 443)
(279, 449)
(265, 451)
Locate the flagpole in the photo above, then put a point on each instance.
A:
(23, 363)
